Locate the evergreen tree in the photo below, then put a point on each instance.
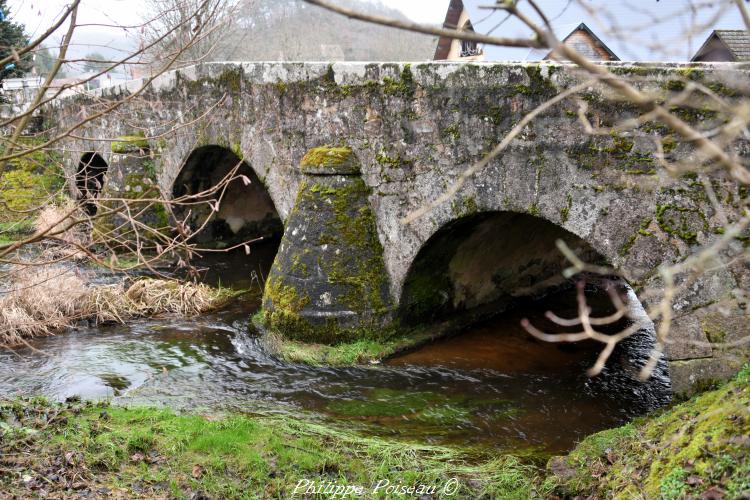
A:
(44, 59)
(95, 62)
(12, 36)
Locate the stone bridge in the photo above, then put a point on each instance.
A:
(341, 153)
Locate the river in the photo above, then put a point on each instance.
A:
(492, 387)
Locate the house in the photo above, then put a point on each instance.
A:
(19, 90)
(583, 40)
(451, 49)
(725, 45)
(461, 12)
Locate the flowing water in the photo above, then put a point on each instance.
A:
(492, 386)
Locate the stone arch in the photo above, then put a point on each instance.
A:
(483, 262)
(89, 179)
(245, 209)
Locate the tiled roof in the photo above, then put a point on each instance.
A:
(451, 23)
(737, 41)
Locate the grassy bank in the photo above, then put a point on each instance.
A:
(364, 351)
(148, 452)
(700, 447)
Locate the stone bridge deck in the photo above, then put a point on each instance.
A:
(412, 130)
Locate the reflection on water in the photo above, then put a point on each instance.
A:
(492, 386)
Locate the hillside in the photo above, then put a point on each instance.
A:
(293, 30)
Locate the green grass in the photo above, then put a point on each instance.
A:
(361, 351)
(11, 231)
(159, 451)
(682, 451)
(686, 450)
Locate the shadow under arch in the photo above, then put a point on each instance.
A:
(89, 179)
(482, 263)
(246, 210)
(476, 279)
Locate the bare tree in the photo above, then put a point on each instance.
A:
(40, 228)
(176, 23)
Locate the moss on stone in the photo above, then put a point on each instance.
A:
(565, 211)
(236, 148)
(231, 79)
(451, 132)
(668, 144)
(674, 85)
(356, 351)
(467, 205)
(693, 115)
(284, 317)
(130, 144)
(692, 73)
(722, 90)
(683, 452)
(344, 249)
(642, 231)
(403, 86)
(631, 70)
(359, 235)
(388, 160)
(326, 156)
(538, 86)
(676, 220)
(621, 146)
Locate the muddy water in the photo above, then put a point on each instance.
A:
(491, 386)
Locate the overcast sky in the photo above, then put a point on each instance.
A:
(38, 15)
(674, 16)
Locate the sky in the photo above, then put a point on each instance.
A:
(635, 30)
(38, 15)
(624, 25)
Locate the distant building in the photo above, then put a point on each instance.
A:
(583, 40)
(725, 45)
(19, 91)
(451, 49)
(459, 16)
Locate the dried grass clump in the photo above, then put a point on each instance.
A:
(54, 219)
(148, 297)
(154, 296)
(41, 301)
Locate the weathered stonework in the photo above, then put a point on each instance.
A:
(131, 176)
(328, 281)
(415, 128)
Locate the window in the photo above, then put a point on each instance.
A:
(469, 48)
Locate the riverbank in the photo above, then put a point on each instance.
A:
(697, 449)
(44, 300)
(700, 446)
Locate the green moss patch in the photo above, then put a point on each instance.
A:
(28, 182)
(130, 144)
(694, 449)
(329, 159)
(683, 222)
(365, 350)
